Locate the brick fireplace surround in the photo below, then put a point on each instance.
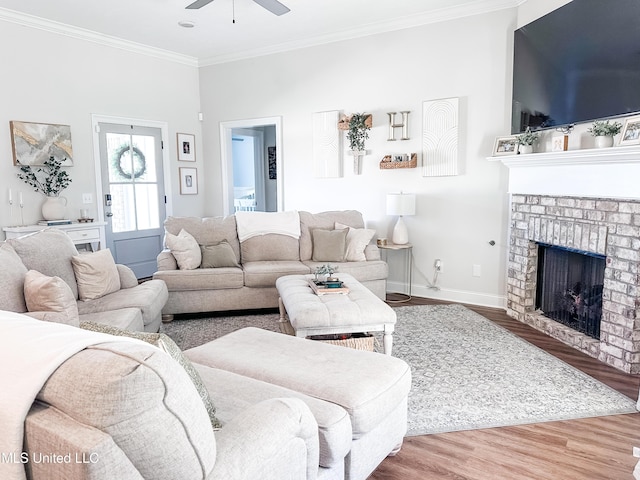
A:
(553, 201)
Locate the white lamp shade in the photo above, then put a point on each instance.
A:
(401, 204)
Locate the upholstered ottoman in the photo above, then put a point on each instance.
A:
(370, 387)
(358, 311)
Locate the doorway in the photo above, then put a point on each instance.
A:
(131, 192)
(252, 165)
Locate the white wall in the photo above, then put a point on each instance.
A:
(52, 78)
(457, 216)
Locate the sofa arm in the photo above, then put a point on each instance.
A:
(128, 279)
(372, 252)
(166, 261)
(269, 438)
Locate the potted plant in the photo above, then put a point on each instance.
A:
(50, 180)
(526, 140)
(604, 131)
(359, 126)
(327, 270)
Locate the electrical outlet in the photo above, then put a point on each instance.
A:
(438, 265)
(87, 198)
(476, 270)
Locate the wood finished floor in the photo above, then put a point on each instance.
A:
(586, 449)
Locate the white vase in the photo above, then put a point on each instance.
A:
(357, 160)
(524, 149)
(54, 208)
(604, 141)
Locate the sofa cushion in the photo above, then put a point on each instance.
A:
(208, 230)
(201, 279)
(217, 256)
(50, 294)
(149, 297)
(329, 245)
(165, 343)
(357, 241)
(96, 274)
(124, 318)
(235, 393)
(48, 251)
(271, 246)
(326, 220)
(185, 248)
(140, 397)
(265, 274)
(12, 276)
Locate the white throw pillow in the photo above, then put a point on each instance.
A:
(185, 248)
(50, 294)
(96, 274)
(357, 241)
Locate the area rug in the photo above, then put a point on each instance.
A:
(468, 373)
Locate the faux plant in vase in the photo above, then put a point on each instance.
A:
(50, 180)
(327, 270)
(526, 140)
(604, 131)
(359, 126)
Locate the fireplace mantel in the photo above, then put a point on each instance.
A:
(600, 173)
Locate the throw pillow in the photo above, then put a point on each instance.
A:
(329, 245)
(96, 274)
(357, 241)
(50, 294)
(165, 343)
(217, 256)
(185, 248)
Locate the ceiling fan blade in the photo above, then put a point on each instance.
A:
(198, 4)
(274, 6)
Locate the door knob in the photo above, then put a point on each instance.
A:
(109, 214)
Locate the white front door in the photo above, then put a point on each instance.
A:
(133, 194)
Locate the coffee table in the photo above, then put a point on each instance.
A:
(358, 311)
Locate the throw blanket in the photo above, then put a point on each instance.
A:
(251, 224)
(30, 351)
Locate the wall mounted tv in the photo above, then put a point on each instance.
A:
(578, 63)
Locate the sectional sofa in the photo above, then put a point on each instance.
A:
(291, 243)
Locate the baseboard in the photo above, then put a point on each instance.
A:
(460, 296)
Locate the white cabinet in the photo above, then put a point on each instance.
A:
(91, 233)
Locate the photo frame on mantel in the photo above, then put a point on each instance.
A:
(505, 146)
(33, 143)
(186, 147)
(631, 131)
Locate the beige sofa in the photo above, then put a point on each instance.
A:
(51, 252)
(261, 261)
(129, 411)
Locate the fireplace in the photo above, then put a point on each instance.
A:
(569, 287)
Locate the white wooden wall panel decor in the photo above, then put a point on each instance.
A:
(327, 145)
(440, 137)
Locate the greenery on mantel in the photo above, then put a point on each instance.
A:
(358, 131)
(527, 137)
(49, 179)
(601, 128)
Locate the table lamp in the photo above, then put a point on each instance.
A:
(401, 204)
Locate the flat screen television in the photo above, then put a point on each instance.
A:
(578, 63)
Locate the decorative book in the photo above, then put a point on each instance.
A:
(324, 288)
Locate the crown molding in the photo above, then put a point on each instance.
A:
(441, 15)
(83, 34)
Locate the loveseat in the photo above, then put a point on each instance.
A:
(127, 410)
(260, 256)
(44, 276)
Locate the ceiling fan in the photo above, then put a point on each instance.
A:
(274, 6)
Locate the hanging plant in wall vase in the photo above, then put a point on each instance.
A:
(357, 126)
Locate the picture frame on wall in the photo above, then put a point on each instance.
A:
(631, 131)
(188, 181)
(186, 147)
(505, 146)
(34, 143)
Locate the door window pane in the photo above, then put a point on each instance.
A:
(123, 208)
(147, 206)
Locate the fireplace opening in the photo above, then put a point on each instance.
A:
(569, 287)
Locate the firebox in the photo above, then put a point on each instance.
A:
(569, 287)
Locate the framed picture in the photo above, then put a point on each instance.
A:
(559, 143)
(631, 131)
(33, 143)
(505, 146)
(188, 181)
(186, 147)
